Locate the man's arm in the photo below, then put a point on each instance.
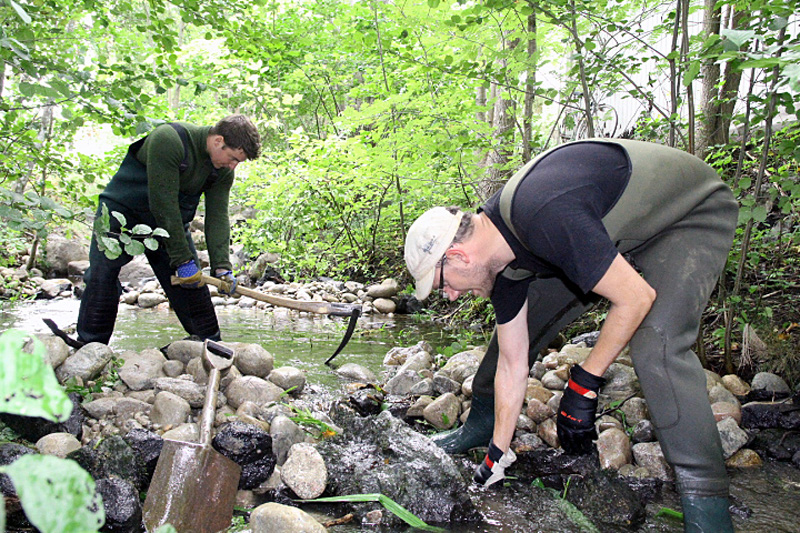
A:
(511, 378)
(217, 223)
(631, 298)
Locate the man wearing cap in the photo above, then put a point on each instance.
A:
(160, 183)
(644, 226)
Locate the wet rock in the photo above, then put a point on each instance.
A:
(606, 422)
(587, 338)
(723, 410)
(757, 415)
(402, 383)
(397, 356)
(442, 413)
(418, 408)
(367, 401)
(735, 385)
(356, 372)
(538, 392)
(288, 378)
(744, 458)
(621, 382)
(444, 385)
(552, 380)
(614, 448)
(252, 359)
(408, 304)
(548, 462)
(650, 456)
(381, 454)
(548, 433)
(417, 361)
(148, 300)
(384, 305)
(184, 351)
(463, 365)
(276, 518)
(254, 389)
(767, 381)
(607, 500)
(527, 442)
(110, 457)
(538, 411)
(58, 444)
(192, 392)
(644, 431)
(121, 504)
(169, 409)
(10, 452)
(51, 288)
(251, 448)
(733, 437)
(140, 369)
(86, 363)
(387, 288)
(60, 251)
(34, 428)
(304, 471)
(635, 410)
(146, 447)
(285, 434)
(56, 350)
(423, 388)
(720, 393)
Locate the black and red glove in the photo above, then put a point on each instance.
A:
(577, 411)
(494, 465)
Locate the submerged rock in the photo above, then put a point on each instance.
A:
(606, 499)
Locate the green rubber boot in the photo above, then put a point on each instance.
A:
(476, 431)
(706, 514)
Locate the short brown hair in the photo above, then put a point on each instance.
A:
(239, 132)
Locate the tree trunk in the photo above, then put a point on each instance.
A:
(527, 119)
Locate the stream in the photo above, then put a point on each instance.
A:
(771, 493)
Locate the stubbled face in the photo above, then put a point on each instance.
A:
(475, 278)
(223, 156)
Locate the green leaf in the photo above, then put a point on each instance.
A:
(124, 238)
(28, 385)
(390, 505)
(21, 13)
(759, 213)
(433, 4)
(160, 232)
(134, 248)
(151, 244)
(112, 247)
(166, 528)
(691, 73)
(57, 495)
(141, 229)
(120, 217)
(738, 37)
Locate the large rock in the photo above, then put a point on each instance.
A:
(381, 454)
(141, 369)
(86, 364)
(277, 518)
(61, 251)
(304, 471)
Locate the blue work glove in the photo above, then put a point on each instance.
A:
(189, 276)
(577, 411)
(493, 467)
(229, 282)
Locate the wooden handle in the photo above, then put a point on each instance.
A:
(322, 308)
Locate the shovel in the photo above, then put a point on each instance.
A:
(194, 486)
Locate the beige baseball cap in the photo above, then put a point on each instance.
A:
(428, 239)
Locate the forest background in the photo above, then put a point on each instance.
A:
(374, 111)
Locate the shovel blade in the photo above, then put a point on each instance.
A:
(193, 489)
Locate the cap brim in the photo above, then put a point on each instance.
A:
(424, 285)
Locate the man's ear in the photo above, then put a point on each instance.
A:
(457, 253)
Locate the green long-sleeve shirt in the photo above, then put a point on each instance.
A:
(168, 190)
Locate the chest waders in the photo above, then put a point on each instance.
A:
(676, 220)
(100, 299)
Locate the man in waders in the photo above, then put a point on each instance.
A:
(159, 184)
(545, 249)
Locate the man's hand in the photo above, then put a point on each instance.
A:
(189, 276)
(229, 282)
(576, 413)
(494, 465)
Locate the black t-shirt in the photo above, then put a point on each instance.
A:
(557, 212)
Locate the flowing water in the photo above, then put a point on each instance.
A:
(771, 493)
